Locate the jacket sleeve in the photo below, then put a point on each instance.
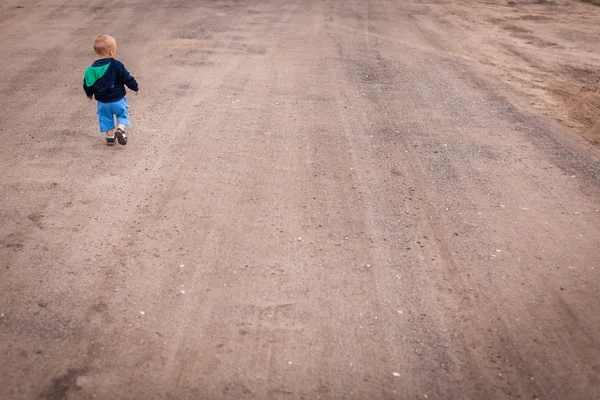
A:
(89, 90)
(127, 78)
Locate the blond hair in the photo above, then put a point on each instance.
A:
(103, 44)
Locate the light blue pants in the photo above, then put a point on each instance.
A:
(107, 112)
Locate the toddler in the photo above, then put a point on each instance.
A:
(105, 80)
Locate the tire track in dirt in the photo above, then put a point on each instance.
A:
(511, 357)
(543, 55)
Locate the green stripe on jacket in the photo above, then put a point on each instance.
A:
(92, 74)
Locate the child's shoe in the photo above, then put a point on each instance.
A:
(110, 140)
(121, 136)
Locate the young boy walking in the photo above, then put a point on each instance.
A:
(105, 80)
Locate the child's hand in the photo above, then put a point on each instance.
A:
(90, 97)
(137, 93)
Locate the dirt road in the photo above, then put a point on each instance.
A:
(320, 199)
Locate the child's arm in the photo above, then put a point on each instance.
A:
(131, 83)
(89, 91)
(128, 79)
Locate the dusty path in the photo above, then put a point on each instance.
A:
(319, 200)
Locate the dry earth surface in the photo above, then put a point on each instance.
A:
(547, 52)
(320, 199)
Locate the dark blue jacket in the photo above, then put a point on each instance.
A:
(106, 79)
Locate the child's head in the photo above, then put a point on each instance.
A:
(105, 46)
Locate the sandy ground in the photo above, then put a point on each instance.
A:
(320, 199)
(546, 53)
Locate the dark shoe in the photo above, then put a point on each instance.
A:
(121, 136)
(110, 140)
